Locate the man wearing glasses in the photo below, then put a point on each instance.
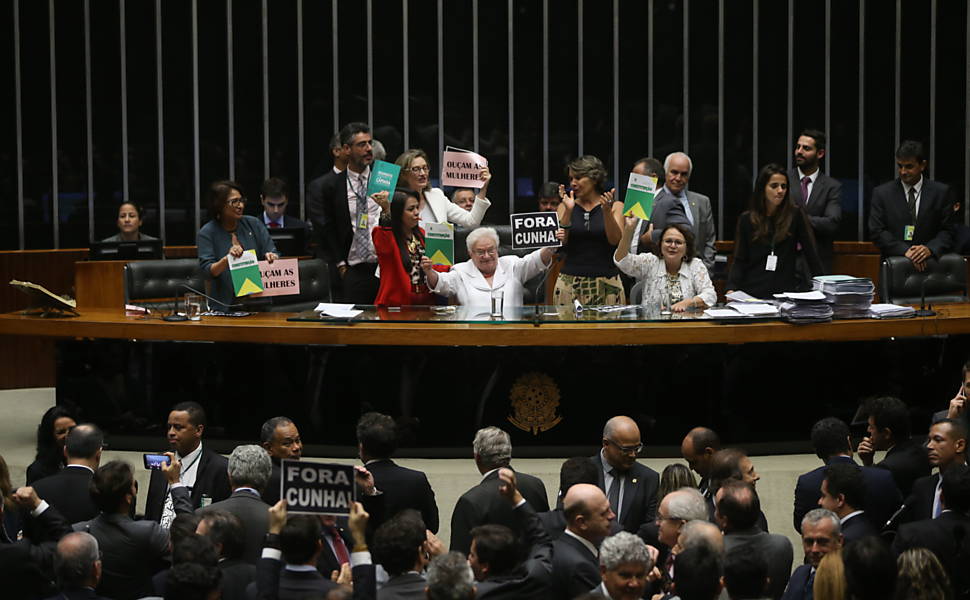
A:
(630, 487)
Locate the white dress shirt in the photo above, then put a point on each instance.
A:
(811, 183)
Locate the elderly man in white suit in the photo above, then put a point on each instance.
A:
(473, 281)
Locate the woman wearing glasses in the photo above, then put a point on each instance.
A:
(473, 281)
(673, 273)
(229, 233)
(433, 205)
(594, 225)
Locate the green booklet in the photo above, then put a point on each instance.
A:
(244, 271)
(439, 244)
(640, 192)
(383, 178)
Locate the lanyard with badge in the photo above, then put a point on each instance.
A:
(772, 263)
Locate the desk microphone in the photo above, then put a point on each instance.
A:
(892, 520)
(210, 298)
(924, 311)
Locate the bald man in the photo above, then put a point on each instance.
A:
(698, 448)
(630, 487)
(575, 562)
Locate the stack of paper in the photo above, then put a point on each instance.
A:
(339, 311)
(805, 307)
(843, 284)
(754, 309)
(850, 297)
(890, 311)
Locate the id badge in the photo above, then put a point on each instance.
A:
(362, 221)
(771, 263)
(908, 231)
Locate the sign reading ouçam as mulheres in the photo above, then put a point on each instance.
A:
(317, 488)
(282, 278)
(462, 168)
(534, 230)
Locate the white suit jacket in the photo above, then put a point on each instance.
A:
(694, 279)
(467, 283)
(446, 211)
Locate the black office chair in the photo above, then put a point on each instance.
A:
(314, 288)
(149, 281)
(944, 280)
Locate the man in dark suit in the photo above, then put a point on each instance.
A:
(402, 487)
(481, 504)
(249, 469)
(698, 448)
(69, 489)
(203, 471)
(816, 192)
(630, 487)
(675, 204)
(844, 493)
(78, 566)
(403, 547)
(450, 577)
(573, 471)
(738, 510)
(297, 542)
(495, 555)
(228, 535)
(821, 534)
(26, 566)
(889, 429)
(575, 564)
(946, 446)
(281, 439)
(274, 198)
(830, 437)
(910, 216)
(346, 216)
(947, 536)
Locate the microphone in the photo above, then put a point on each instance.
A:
(892, 520)
(924, 311)
(210, 298)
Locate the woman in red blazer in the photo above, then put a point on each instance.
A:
(399, 244)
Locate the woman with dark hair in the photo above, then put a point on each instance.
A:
(229, 233)
(772, 236)
(433, 205)
(12, 516)
(671, 272)
(52, 432)
(399, 244)
(129, 224)
(594, 226)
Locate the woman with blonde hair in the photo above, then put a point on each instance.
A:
(921, 577)
(830, 578)
(674, 477)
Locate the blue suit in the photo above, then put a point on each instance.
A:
(800, 584)
(882, 495)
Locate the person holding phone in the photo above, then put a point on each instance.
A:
(594, 225)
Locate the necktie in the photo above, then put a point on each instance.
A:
(339, 547)
(805, 181)
(613, 495)
(912, 204)
(273, 224)
(361, 234)
(937, 505)
(809, 585)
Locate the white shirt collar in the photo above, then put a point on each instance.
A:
(191, 456)
(813, 176)
(849, 516)
(485, 476)
(79, 466)
(918, 186)
(589, 545)
(267, 220)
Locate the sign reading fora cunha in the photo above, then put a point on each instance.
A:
(535, 230)
(317, 488)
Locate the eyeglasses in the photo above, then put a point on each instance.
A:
(237, 202)
(625, 449)
(419, 170)
(486, 252)
(674, 242)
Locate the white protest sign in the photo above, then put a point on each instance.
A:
(282, 278)
(314, 488)
(462, 168)
(534, 230)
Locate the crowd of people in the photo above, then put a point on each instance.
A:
(215, 527)
(374, 245)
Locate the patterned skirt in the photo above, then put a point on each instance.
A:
(590, 291)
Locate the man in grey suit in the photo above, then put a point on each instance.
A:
(249, 470)
(738, 509)
(817, 193)
(674, 204)
(910, 215)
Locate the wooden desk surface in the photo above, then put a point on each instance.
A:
(273, 328)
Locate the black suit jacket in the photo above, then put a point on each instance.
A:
(236, 577)
(824, 210)
(406, 586)
(273, 582)
(26, 567)
(254, 514)
(575, 570)
(211, 480)
(882, 495)
(532, 579)
(907, 461)
(554, 522)
(80, 594)
(775, 549)
(405, 488)
(858, 527)
(483, 505)
(948, 537)
(919, 503)
(640, 486)
(798, 584)
(327, 562)
(69, 491)
(889, 214)
(330, 215)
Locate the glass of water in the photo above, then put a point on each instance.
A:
(498, 301)
(193, 307)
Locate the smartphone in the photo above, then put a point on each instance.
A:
(155, 461)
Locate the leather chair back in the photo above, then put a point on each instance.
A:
(945, 280)
(314, 288)
(147, 280)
